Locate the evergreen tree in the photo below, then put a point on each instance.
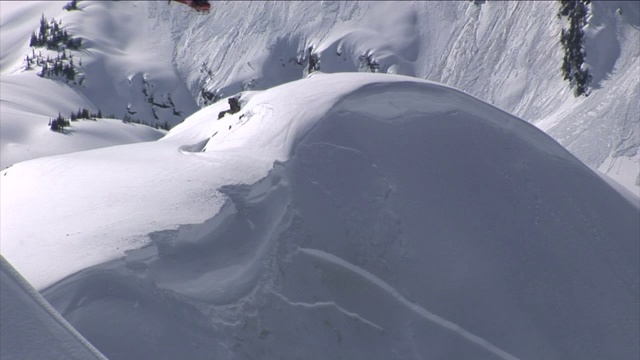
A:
(314, 60)
(58, 123)
(44, 26)
(43, 72)
(53, 125)
(56, 29)
(34, 40)
(573, 67)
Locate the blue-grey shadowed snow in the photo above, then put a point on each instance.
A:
(30, 328)
(129, 318)
(411, 221)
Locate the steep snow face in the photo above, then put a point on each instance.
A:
(506, 53)
(402, 219)
(601, 136)
(31, 328)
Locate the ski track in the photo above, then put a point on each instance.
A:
(328, 304)
(424, 313)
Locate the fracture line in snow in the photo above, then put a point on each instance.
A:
(322, 255)
(326, 304)
(339, 147)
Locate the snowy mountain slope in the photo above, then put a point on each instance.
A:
(125, 70)
(506, 53)
(400, 218)
(37, 331)
(114, 69)
(16, 28)
(26, 109)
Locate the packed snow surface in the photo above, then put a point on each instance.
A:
(356, 215)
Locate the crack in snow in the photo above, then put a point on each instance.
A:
(322, 255)
(328, 304)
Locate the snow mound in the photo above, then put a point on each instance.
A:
(355, 215)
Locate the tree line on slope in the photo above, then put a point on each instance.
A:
(52, 36)
(573, 65)
(60, 122)
(308, 59)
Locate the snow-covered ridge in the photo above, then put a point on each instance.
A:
(506, 53)
(342, 214)
(337, 214)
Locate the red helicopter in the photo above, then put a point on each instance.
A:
(201, 6)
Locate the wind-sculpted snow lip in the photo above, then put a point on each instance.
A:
(275, 123)
(404, 95)
(405, 220)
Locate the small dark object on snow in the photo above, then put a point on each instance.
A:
(234, 105)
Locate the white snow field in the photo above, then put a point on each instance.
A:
(138, 54)
(37, 331)
(342, 215)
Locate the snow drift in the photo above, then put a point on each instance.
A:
(356, 216)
